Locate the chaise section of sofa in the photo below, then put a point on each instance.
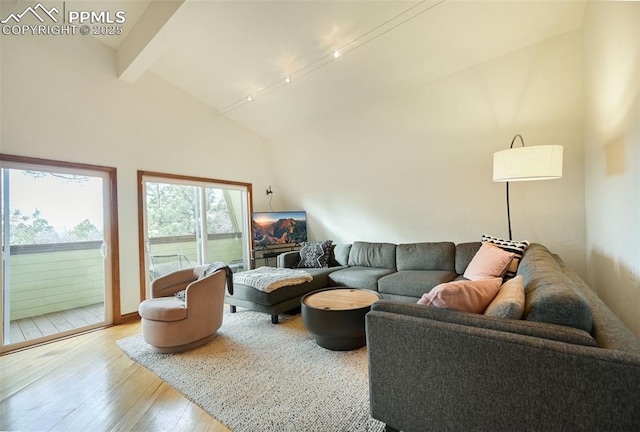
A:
(287, 298)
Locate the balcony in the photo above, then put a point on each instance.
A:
(60, 286)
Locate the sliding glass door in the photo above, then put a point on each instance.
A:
(189, 221)
(56, 251)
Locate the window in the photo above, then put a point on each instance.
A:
(188, 221)
(59, 249)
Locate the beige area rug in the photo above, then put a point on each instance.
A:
(256, 376)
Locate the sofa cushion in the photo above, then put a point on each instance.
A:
(517, 247)
(315, 254)
(550, 296)
(358, 277)
(463, 296)
(380, 255)
(339, 255)
(509, 303)
(414, 283)
(489, 262)
(426, 256)
(464, 254)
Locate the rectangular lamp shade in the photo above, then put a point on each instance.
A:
(528, 163)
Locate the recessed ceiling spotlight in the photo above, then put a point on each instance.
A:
(336, 54)
(249, 98)
(287, 79)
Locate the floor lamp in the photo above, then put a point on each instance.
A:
(525, 164)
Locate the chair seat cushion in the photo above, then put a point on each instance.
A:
(163, 309)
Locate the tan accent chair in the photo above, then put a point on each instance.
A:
(171, 325)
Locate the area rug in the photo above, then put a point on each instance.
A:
(257, 376)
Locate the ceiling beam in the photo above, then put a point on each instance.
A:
(149, 39)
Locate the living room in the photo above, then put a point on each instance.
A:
(391, 142)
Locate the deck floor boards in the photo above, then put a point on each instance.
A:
(45, 325)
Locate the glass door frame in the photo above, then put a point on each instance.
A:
(144, 176)
(112, 261)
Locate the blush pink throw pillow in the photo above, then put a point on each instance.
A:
(489, 262)
(463, 295)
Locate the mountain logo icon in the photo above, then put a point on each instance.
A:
(33, 11)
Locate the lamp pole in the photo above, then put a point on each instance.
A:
(507, 183)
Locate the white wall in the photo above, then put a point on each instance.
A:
(612, 154)
(417, 166)
(61, 100)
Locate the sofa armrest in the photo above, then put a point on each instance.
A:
(431, 375)
(288, 259)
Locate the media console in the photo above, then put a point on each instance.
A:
(266, 254)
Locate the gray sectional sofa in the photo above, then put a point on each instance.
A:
(401, 272)
(568, 365)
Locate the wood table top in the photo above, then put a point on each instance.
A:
(341, 299)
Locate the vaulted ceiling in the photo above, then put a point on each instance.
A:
(222, 52)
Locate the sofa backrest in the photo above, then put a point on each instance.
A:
(608, 331)
(339, 255)
(464, 254)
(550, 295)
(379, 255)
(426, 256)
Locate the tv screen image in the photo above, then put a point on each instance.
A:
(278, 228)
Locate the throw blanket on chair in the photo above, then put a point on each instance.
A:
(219, 265)
(268, 279)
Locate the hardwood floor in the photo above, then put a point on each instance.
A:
(87, 383)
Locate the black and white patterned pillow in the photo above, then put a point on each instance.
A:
(315, 254)
(181, 295)
(517, 247)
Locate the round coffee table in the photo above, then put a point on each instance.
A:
(335, 316)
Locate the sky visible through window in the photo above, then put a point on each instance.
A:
(62, 203)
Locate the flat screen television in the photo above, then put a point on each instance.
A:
(272, 229)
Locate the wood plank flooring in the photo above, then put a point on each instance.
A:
(87, 383)
(45, 325)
